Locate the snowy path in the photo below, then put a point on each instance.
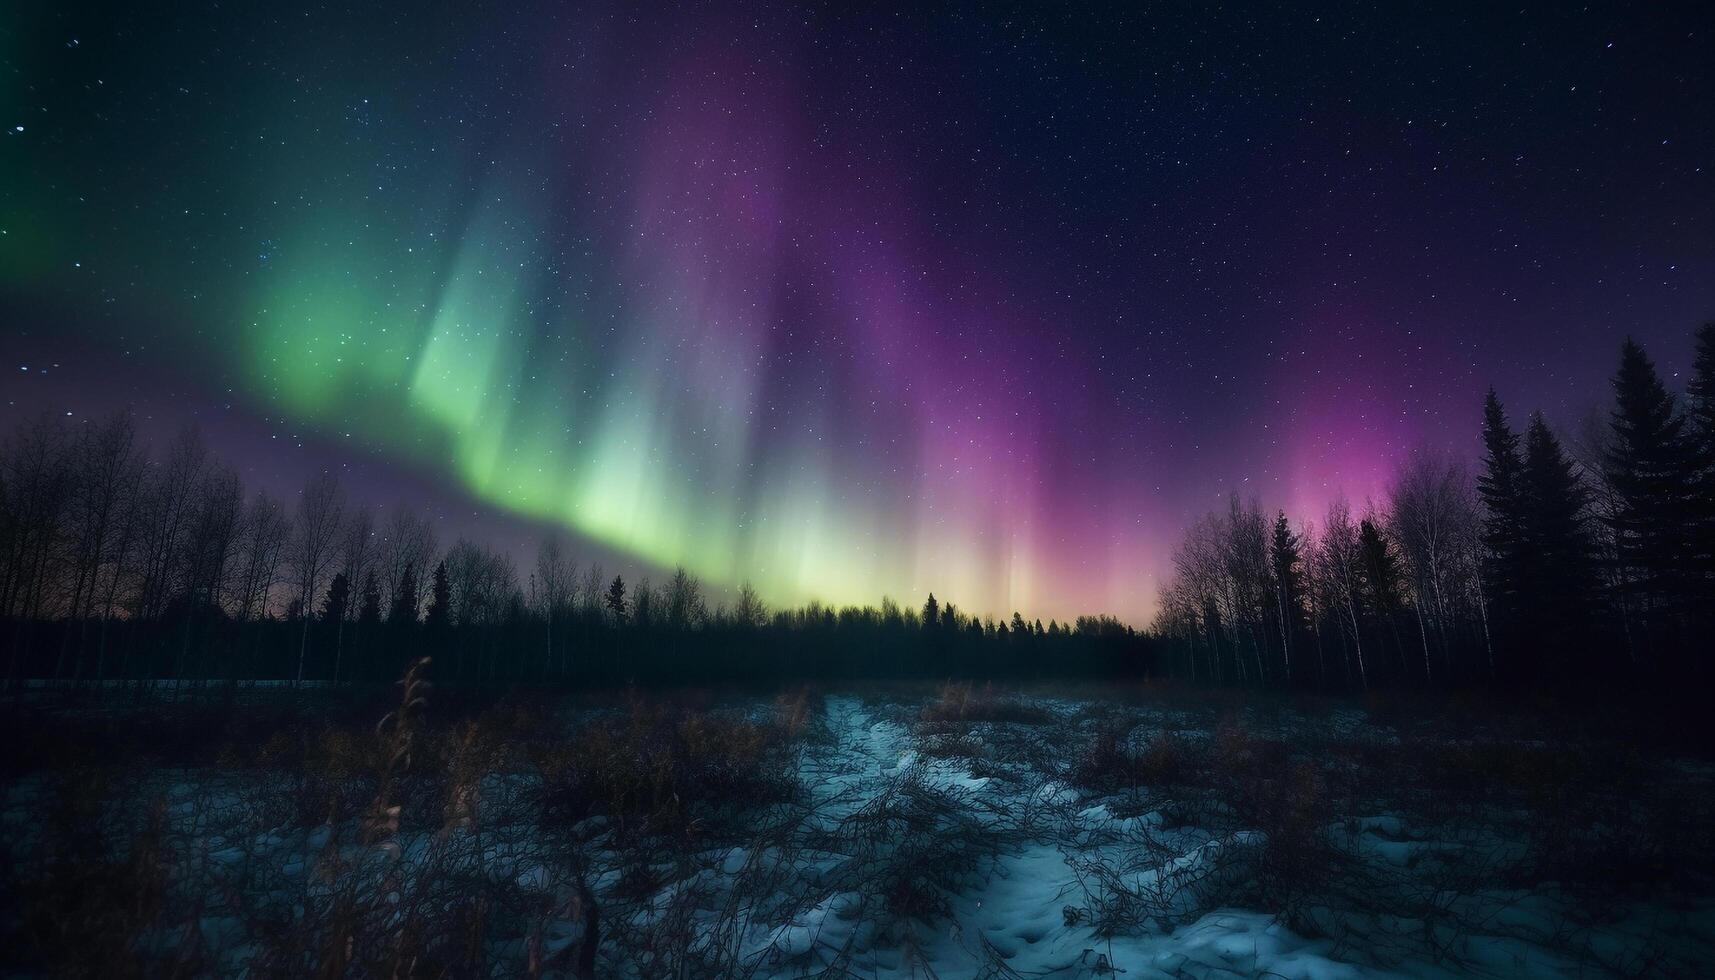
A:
(1012, 920)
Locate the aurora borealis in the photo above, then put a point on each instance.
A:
(980, 301)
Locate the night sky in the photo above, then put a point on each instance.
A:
(847, 302)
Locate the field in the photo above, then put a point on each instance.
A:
(955, 831)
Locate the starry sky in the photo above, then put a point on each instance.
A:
(847, 299)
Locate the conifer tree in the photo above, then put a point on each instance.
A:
(1285, 563)
(440, 598)
(369, 609)
(1650, 469)
(404, 608)
(1498, 486)
(337, 599)
(1558, 575)
(1380, 577)
(615, 599)
(1700, 392)
(1700, 424)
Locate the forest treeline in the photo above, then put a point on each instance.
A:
(1567, 561)
(120, 564)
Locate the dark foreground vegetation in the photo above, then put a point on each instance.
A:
(959, 831)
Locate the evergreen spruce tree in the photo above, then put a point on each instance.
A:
(368, 618)
(338, 599)
(440, 599)
(1379, 569)
(369, 609)
(1498, 486)
(1650, 468)
(1557, 586)
(1285, 565)
(404, 608)
(615, 599)
(1700, 424)
(1700, 393)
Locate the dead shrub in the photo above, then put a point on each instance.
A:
(1108, 764)
(1167, 761)
(964, 747)
(1105, 764)
(913, 845)
(663, 770)
(960, 705)
(793, 713)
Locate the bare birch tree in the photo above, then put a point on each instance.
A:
(314, 549)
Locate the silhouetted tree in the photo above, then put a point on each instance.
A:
(320, 511)
(338, 597)
(1433, 518)
(1284, 562)
(407, 544)
(35, 474)
(358, 549)
(643, 611)
(440, 599)
(1700, 429)
(369, 611)
(1339, 565)
(685, 605)
(1558, 578)
(403, 611)
(106, 484)
(1502, 500)
(1381, 582)
(1650, 468)
(554, 580)
(169, 508)
(750, 612)
(615, 599)
(216, 514)
(262, 542)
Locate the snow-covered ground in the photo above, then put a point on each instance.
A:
(936, 849)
